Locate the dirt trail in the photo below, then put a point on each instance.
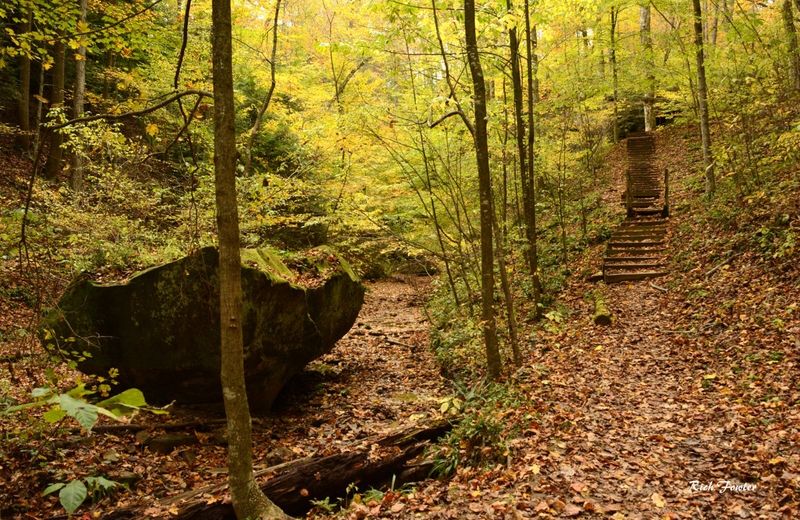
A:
(379, 376)
(636, 421)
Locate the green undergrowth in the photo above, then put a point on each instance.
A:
(756, 206)
(485, 426)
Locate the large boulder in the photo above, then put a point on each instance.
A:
(161, 328)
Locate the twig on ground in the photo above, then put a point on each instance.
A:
(399, 343)
(719, 265)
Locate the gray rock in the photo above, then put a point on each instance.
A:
(161, 328)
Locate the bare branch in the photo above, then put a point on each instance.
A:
(135, 113)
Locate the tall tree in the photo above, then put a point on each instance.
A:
(248, 163)
(78, 96)
(702, 99)
(53, 165)
(481, 139)
(248, 500)
(612, 59)
(791, 37)
(533, 97)
(519, 125)
(647, 49)
(25, 89)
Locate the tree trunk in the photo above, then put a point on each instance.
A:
(248, 164)
(527, 184)
(612, 59)
(508, 296)
(533, 97)
(647, 48)
(791, 36)
(715, 24)
(248, 500)
(78, 102)
(702, 94)
(25, 91)
(485, 188)
(53, 165)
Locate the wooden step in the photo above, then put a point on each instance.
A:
(638, 239)
(638, 223)
(634, 252)
(644, 221)
(648, 211)
(644, 258)
(644, 230)
(632, 276)
(636, 228)
(634, 243)
(632, 265)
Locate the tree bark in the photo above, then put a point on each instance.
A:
(702, 95)
(519, 124)
(612, 59)
(647, 48)
(481, 139)
(791, 36)
(53, 165)
(25, 91)
(78, 103)
(248, 500)
(533, 97)
(248, 165)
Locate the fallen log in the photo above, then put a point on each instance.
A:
(293, 485)
(602, 316)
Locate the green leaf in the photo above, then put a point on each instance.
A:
(54, 414)
(81, 411)
(38, 393)
(72, 496)
(101, 483)
(125, 402)
(52, 488)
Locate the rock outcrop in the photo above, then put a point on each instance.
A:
(160, 328)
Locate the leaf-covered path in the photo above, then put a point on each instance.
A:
(620, 421)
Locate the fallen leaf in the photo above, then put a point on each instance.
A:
(658, 500)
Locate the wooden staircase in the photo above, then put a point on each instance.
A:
(637, 247)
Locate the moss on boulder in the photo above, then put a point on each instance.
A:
(160, 328)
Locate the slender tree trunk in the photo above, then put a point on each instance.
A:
(533, 97)
(37, 120)
(508, 296)
(533, 58)
(485, 188)
(53, 165)
(248, 500)
(25, 91)
(78, 102)
(519, 124)
(715, 24)
(702, 95)
(612, 59)
(791, 36)
(647, 48)
(248, 164)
